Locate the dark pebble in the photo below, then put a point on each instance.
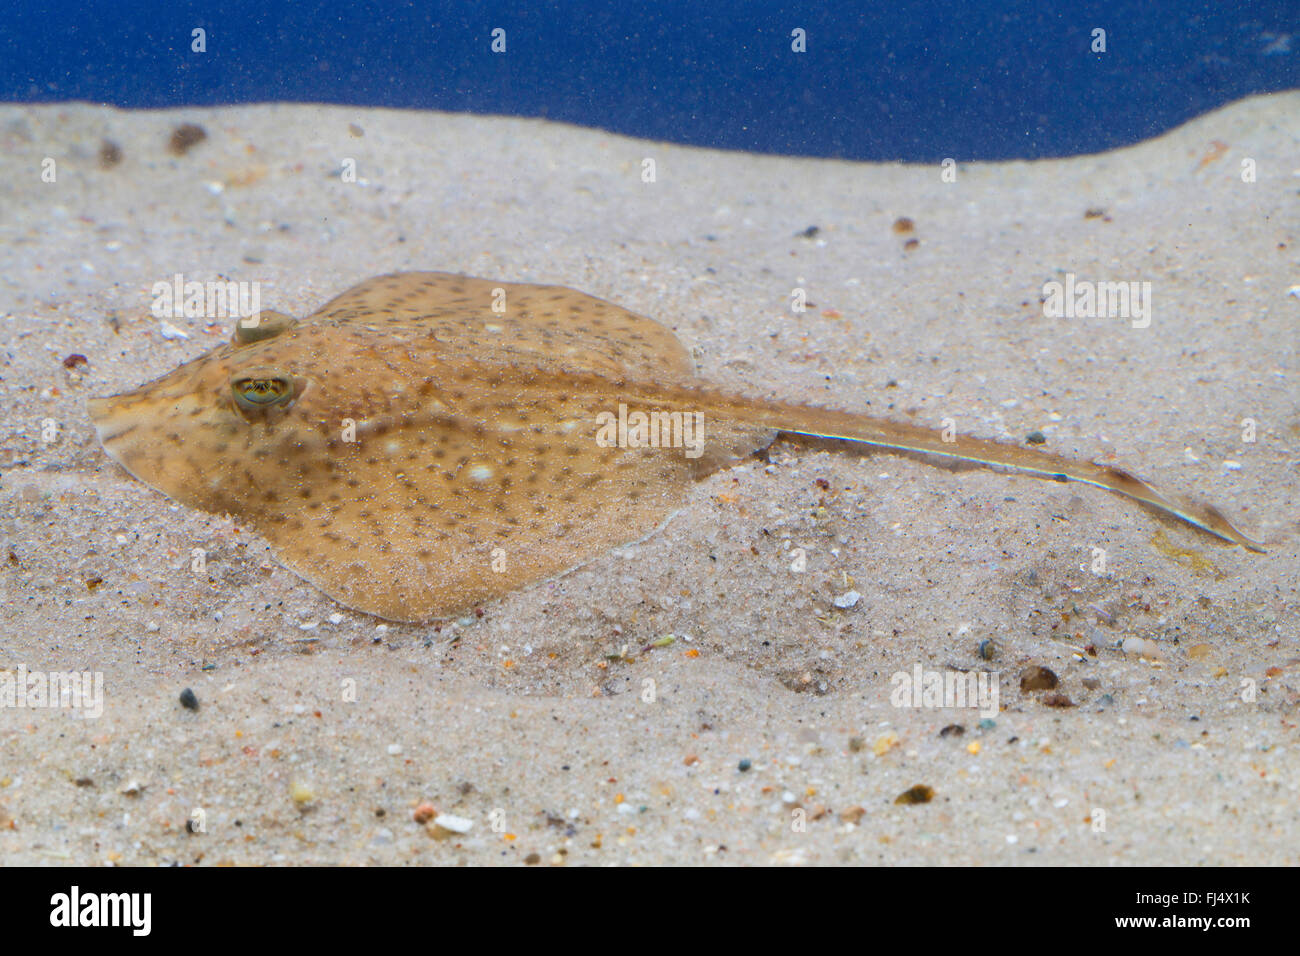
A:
(185, 137)
(189, 700)
(110, 154)
(918, 794)
(1037, 678)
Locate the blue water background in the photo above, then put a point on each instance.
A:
(909, 80)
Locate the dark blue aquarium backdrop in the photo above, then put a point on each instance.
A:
(912, 80)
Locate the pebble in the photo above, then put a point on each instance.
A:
(336, 618)
(918, 794)
(189, 700)
(848, 599)
(1037, 678)
(171, 333)
(185, 137)
(110, 154)
(394, 749)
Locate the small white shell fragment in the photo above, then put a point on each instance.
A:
(171, 333)
(848, 599)
(453, 823)
(1141, 647)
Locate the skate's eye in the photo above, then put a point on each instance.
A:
(261, 388)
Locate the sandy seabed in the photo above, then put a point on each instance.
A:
(562, 727)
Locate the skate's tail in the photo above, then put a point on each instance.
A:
(883, 433)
